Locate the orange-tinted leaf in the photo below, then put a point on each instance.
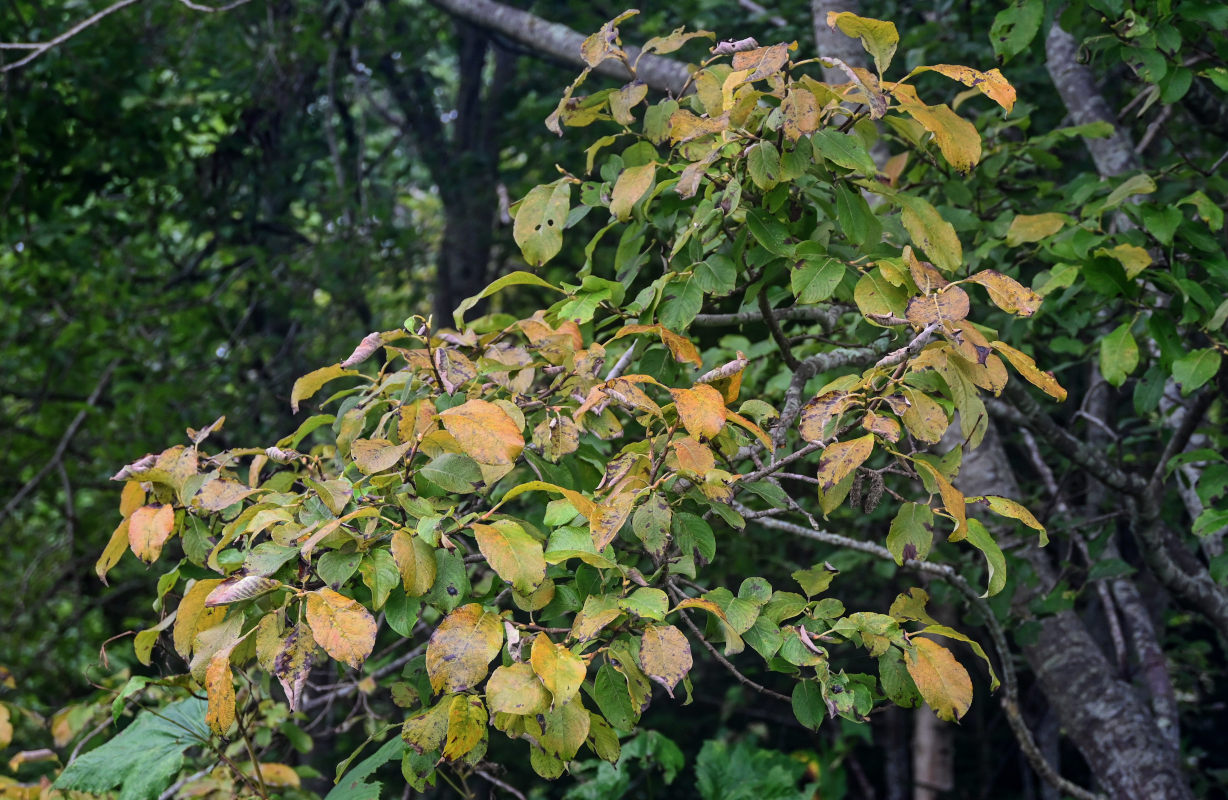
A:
(701, 410)
(1007, 293)
(148, 529)
(219, 684)
(484, 431)
(219, 494)
(132, 498)
(886, 427)
(762, 61)
(516, 690)
(341, 626)
(513, 554)
(942, 681)
(279, 775)
(924, 417)
(693, 456)
(376, 455)
(665, 655)
(560, 670)
(461, 648)
(800, 113)
(841, 458)
(943, 307)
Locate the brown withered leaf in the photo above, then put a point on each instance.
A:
(762, 61)
(455, 368)
(293, 661)
(238, 588)
(946, 306)
(665, 655)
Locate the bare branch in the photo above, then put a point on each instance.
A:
(561, 42)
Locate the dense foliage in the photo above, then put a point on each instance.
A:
(762, 415)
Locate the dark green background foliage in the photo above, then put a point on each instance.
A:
(197, 208)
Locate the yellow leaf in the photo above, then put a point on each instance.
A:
(484, 431)
(132, 498)
(743, 422)
(516, 690)
(956, 137)
(701, 410)
(604, 43)
(819, 412)
(561, 671)
(238, 588)
(1026, 367)
(733, 640)
(113, 552)
(952, 500)
(1007, 293)
(665, 655)
(454, 368)
(1005, 507)
(1027, 228)
(608, 517)
(685, 126)
(426, 730)
(461, 648)
(377, 455)
(275, 774)
(268, 640)
(220, 494)
(628, 394)
(884, 426)
(929, 231)
(557, 436)
(840, 459)
(306, 386)
(6, 727)
(565, 729)
(148, 529)
(514, 555)
(1132, 258)
(219, 684)
(878, 37)
(942, 681)
(466, 726)
(626, 98)
(992, 84)
(800, 113)
(943, 307)
(192, 615)
(341, 626)
(415, 561)
(632, 184)
(577, 500)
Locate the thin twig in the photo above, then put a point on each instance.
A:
(38, 48)
(507, 787)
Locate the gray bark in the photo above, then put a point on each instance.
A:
(561, 42)
(832, 43)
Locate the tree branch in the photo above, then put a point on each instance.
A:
(553, 39)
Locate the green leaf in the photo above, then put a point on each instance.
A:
(1196, 368)
(1118, 355)
(145, 757)
(931, 233)
(763, 164)
(1015, 27)
(912, 527)
(632, 184)
(306, 386)
(814, 281)
(681, 300)
(354, 786)
(878, 37)
(808, 704)
(717, 274)
(518, 278)
(856, 219)
(845, 150)
(538, 228)
(980, 538)
(455, 473)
